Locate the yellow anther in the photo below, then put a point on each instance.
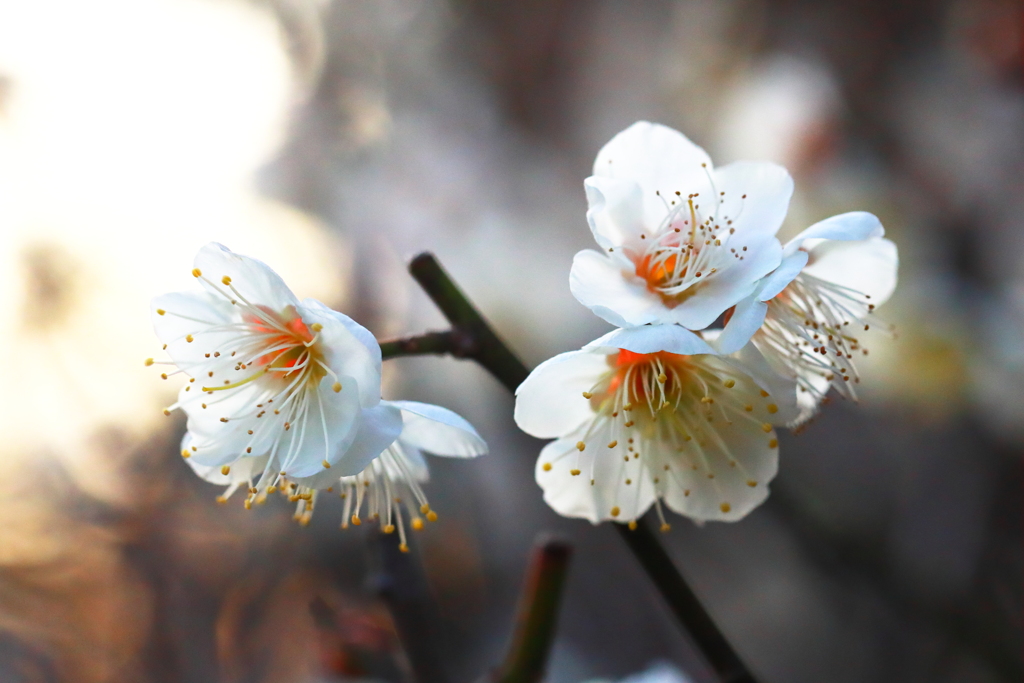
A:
(766, 428)
(632, 525)
(628, 424)
(587, 394)
(774, 443)
(224, 469)
(613, 444)
(163, 375)
(417, 524)
(615, 511)
(196, 272)
(223, 419)
(167, 411)
(149, 361)
(424, 509)
(189, 338)
(306, 496)
(226, 279)
(356, 521)
(748, 408)
(764, 394)
(663, 378)
(628, 407)
(772, 408)
(729, 383)
(707, 399)
(431, 516)
(316, 327)
(404, 548)
(336, 387)
(389, 529)
(546, 467)
(221, 499)
(161, 311)
(665, 527)
(326, 465)
(271, 489)
(186, 454)
(580, 446)
(574, 472)
(248, 504)
(751, 483)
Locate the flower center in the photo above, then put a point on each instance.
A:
(688, 248)
(812, 327)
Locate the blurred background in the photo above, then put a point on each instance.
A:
(335, 139)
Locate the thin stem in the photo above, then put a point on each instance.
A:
(681, 598)
(472, 337)
(538, 613)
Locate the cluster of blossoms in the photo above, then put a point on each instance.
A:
(723, 334)
(285, 396)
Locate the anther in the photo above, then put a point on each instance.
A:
(402, 547)
(729, 383)
(613, 444)
(574, 472)
(196, 272)
(389, 529)
(725, 507)
(663, 378)
(336, 387)
(751, 483)
(772, 408)
(431, 516)
(665, 528)
(225, 469)
(356, 521)
(765, 427)
(546, 467)
(149, 361)
(587, 394)
(615, 511)
(224, 419)
(632, 525)
(580, 446)
(417, 524)
(186, 454)
(189, 338)
(163, 375)
(167, 411)
(226, 280)
(774, 443)
(160, 311)
(316, 327)
(326, 465)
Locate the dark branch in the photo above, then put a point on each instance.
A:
(538, 613)
(674, 589)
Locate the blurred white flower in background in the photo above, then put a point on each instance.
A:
(658, 672)
(115, 166)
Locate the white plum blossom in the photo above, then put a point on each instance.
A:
(390, 482)
(807, 318)
(292, 385)
(647, 416)
(681, 241)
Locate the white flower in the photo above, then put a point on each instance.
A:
(391, 480)
(807, 317)
(645, 416)
(681, 241)
(293, 383)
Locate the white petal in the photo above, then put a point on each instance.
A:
(768, 188)
(438, 430)
(653, 338)
(253, 279)
(619, 297)
(729, 286)
(782, 388)
(191, 313)
(746, 319)
(648, 153)
(615, 211)
(349, 348)
(575, 496)
(710, 477)
(242, 470)
(869, 267)
(378, 428)
(550, 401)
(781, 277)
(852, 226)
